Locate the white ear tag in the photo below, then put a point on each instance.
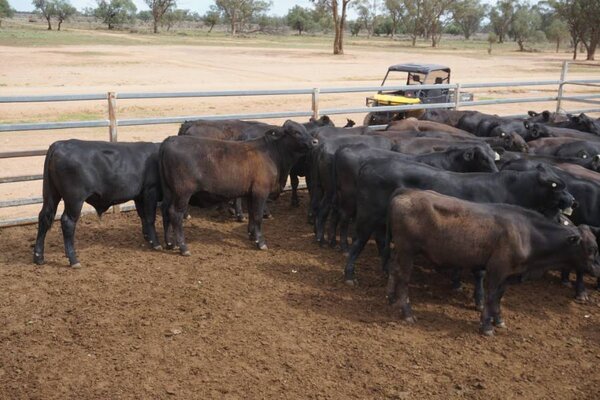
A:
(553, 184)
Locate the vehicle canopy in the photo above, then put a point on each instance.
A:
(421, 73)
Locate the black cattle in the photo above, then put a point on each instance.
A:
(564, 147)
(580, 122)
(540, 189)
(101, 174)
(510, 243)
(546, 117)
(422, 145)
(585, 188)
(448, 117)
(218, 170)
(348, 160)
(541, 130)
(417, 125)
(322, 166)
(592, 163)
(471, 120)
(230, 129)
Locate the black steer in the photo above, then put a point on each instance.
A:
(101, 174)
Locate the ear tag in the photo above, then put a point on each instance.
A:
(553, 184)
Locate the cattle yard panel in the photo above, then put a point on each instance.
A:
(113, 122)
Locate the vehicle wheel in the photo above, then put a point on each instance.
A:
(368, 119)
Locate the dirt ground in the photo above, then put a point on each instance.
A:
(100, 68)
(233, 322)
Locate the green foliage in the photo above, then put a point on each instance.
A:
(144, 16)
(211, 18)
(501, 17)
(63, 10)
(301, 19)
(5, 10)
(557, 32)
(526, 26)
(355, 27)
(115, 12)
(238, 13)
(174, 17)
(384, 26)
(46, 9)
(468, 15)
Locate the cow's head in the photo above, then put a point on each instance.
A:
(514, 142)
(293, 136)
(479, 159)
(535, 131)
(552, 192)
(587, 246)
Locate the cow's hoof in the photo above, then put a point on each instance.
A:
(500, 324)
(158, 247)
(186, 253)
(269, 216)
(487, 332)
(240, 218)
(410, 320)
(188, 216)
(262, 246)
(351, 282)
(38, 260)
(565, 283)
(76, 265)
(479, 307)
(582, 297)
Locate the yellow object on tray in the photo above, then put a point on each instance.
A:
(395, 99)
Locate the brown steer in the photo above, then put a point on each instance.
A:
(509, 242)
(218, 170)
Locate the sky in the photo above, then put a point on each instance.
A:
(279, 7)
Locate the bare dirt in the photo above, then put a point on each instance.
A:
(233, 322)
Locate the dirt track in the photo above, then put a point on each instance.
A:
(234, 322)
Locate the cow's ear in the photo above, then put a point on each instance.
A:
(546, 115)
(469, 155)
(326, 119)
(535, 132)
(532, 113)
(596, 231)
(574, 239)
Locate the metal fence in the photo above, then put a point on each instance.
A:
(112, 122)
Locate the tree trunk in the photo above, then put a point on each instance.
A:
(49, 24)
(211, 28)
(155, 26)
(557, 44)
(414, 40)
(520, 43)
(575, 46)
(59, 24)
(591, 49)
(299, 32)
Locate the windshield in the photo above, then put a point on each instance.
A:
(396, 78)
(438, 78)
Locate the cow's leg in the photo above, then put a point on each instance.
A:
(251, 220)
(322, 214)
(149, 207)
(492, 304)
(564, 277)
(400, 266)
(478, 293)
(315, 199)
(258, 204)
(580, 292)
(68, 222)
(176, 212)
(45, 220)
(295, 182)
(139, 209)
(364, 229)
(239, 212)
(266, 210)
(167, 226)
(498, 320)
(344, 223)
(333, 224)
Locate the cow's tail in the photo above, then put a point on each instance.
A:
(51, 194)
(184, 127)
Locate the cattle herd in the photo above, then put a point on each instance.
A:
(502, 199)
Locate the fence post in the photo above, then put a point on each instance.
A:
(457, 96)
(315, 102)
(112, 127)
(563, 78)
